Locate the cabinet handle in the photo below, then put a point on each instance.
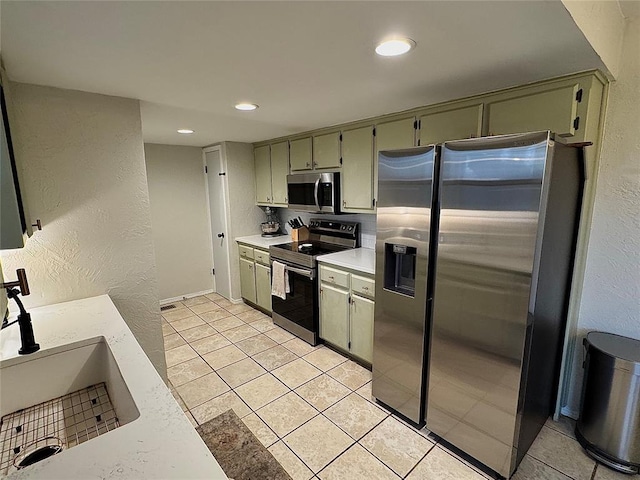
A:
(365, 288)
(286, 200)
(331, 278)
(308, 165)
(37, 224)
(268, 199)
(344, 203)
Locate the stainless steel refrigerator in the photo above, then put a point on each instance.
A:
(474, 256)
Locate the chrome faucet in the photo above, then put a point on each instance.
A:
(29, 344)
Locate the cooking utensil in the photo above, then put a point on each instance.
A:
(301, 222)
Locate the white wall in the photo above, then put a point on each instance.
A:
(611, 291)
(602, 24)
(82, 157)
(179, 219)
(245, 217)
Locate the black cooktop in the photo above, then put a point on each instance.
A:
(316, 248)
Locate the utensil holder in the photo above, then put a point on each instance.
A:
(300, 234)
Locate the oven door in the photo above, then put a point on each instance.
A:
(314, 192)
(298, 313)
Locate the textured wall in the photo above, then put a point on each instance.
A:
(83, 160)
(179, 219)
(611, 295)
(245, 216)
(602, 24)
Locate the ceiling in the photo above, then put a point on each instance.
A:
(307, 64)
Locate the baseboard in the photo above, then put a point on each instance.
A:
(182, 297)
(569, 412)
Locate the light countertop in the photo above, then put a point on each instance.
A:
(263, 242)
(160, 443)
(360, 259)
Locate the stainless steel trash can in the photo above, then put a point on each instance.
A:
(609, 423)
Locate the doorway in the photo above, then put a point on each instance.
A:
(217, 194)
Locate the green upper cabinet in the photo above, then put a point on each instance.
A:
(357, 169)
(396, 134)
(326, 150)
(262, 163)
(452, 124)
(300, 154)
(547, 108)
(279, 172)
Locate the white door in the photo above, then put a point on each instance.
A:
(219, 231)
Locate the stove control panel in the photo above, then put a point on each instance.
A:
(334, 227)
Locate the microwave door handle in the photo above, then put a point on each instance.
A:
(307, 273)
(315, 193)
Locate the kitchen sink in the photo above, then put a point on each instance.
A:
(59, 398)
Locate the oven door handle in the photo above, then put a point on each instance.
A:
(315, 193)
(310, 274)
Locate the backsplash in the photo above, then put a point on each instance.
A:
(367, 223)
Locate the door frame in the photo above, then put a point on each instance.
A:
(226, 220)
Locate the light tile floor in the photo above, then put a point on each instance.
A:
(312, 407)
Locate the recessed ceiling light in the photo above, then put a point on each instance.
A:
(185, 131)
(397, 46)
(246, 106)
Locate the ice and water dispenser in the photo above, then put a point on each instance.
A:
(400, 269)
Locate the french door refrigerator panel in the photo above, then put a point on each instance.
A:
(491, 373)
(405, 196)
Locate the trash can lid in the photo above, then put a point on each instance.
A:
(616, 346)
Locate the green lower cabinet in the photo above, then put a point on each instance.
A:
(361, 325)
(263, 287)
(248, 280)
(346, 314)
(334, 316)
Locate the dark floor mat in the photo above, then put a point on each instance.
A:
(238, 451)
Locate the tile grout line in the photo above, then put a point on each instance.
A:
(290, 390)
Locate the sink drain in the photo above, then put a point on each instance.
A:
(37, 451)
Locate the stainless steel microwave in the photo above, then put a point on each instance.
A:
(314, 192)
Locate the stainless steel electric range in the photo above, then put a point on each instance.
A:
(299, 312)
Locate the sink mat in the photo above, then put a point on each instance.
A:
(72, 419)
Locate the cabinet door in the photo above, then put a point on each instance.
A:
(263, 286)
(357, 169)
(361, 328)
(334, 316)
(300, 154)
(279, 172)
(451, 125)
(554, 110)
(262, 163)
(396, 134)
(326, 150)
(248, 280)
